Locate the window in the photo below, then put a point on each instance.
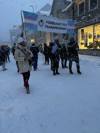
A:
(89, 37)
(93, 4)
(81, 9)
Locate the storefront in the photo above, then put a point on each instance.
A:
(89, 37)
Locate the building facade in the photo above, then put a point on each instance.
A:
(58, 10)
(43, 37)
(87, 15)
(36, 36)
(58, 7)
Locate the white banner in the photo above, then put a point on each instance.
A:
(47, 23)
(51, 24)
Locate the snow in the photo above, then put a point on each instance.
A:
(57, 104)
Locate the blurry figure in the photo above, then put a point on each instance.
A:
(50, 46)
(73, 55)
(35, 50)
(3, 57)
(46, 53)
(55, 57)
(13, 49)
(23, 56)
(8, 53)
(63, 56)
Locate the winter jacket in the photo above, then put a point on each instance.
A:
(63, 53)
(2, 56)
(35, 51)
(55, 52)
(72, 50)
(23, 56)
(46, 50)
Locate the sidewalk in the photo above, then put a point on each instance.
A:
(57, 104)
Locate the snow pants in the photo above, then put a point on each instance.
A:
(64, 62)
(76, 60)
(55, 65)
(35, 63)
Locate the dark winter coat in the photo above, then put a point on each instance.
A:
(3, 55)
(35, 50)
(55, 54)
(72, 48)
(63, 52)
(46, 50)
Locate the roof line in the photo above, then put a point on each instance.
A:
(68, 7)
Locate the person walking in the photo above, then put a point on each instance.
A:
(55, 57)
(63, 56)
(46, 53)
(73, 55)
(23, 56)
(35, 50)
(3, 57)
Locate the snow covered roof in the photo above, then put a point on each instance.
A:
(45, 9)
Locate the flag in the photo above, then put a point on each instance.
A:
(30, 21)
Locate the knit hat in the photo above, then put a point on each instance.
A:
(20, 40)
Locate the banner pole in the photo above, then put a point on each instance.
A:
(23, 26)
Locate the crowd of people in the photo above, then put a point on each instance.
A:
(26, 57)
(56, 52)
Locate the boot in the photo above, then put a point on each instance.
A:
(54, 73)
(78, 69)
(66, 66)
(26, 84)
(28, 90)
(57, 72)
(63, 66)
(79, 72)
(4, 69)
(70, 71)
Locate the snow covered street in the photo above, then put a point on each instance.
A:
(57, 104)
